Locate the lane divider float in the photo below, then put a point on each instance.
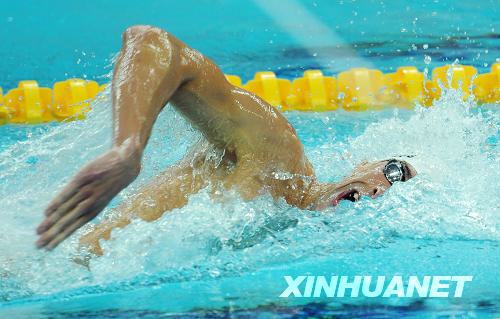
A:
(357, 89)
(361, 89)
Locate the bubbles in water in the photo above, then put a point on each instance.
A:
(452, 197)
(427, 59)
(451, 147)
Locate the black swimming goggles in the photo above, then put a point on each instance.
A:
(396, 171)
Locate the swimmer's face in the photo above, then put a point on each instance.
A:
(372, 180)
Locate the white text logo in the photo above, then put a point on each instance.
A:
(380, 286)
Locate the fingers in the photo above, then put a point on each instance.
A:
(63, 196)
(63, 223)
(60, 225)
(63, 209)
(57, 222)
(70, 229)
(69, 191)
(80, 201)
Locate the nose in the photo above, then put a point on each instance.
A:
(376, 192)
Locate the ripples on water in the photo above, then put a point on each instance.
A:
(453, 197)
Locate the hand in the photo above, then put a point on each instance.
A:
(87, 195)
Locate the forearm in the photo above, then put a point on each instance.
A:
(168, 191)
(146, 75)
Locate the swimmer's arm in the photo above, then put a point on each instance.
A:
(165, 192)
(148, 71)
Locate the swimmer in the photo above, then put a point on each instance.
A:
(259, 150)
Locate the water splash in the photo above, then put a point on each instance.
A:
(452, 197)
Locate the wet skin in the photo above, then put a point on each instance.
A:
(259, 150)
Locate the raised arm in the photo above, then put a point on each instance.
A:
(147, 73)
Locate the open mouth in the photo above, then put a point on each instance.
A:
(351, 195)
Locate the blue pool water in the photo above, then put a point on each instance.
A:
(443, 222)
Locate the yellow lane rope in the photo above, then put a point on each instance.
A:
(357, 89)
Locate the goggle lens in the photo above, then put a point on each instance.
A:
(393, 171)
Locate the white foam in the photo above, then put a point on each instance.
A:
(454, 196)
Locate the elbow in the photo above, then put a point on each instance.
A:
(143, 32)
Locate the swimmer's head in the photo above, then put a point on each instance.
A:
(371, 179)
